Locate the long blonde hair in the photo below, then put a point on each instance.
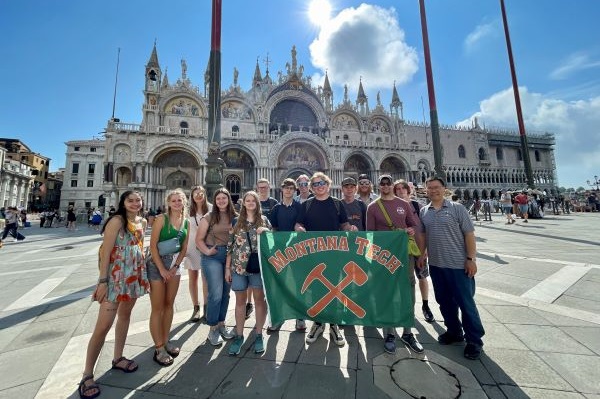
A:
(180, 192)
(243, 218)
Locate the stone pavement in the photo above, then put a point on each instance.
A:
(538, 286)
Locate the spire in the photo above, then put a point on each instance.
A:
(257, 75)
(165, 82)
(361, 98)
(153, 61)
(395, 97)
(326, 85)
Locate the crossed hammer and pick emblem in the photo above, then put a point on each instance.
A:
(354, 274)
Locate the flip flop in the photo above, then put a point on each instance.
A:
(127, 368)
(83, 389)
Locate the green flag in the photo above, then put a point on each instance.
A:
(356, 278)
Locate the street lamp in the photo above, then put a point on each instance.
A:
(595, 182)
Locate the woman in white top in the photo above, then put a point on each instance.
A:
(198, 208)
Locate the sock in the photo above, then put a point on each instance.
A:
(425, 304)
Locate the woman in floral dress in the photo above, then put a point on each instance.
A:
(122, 280)
(250, 224)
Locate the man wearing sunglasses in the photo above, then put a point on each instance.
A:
(322, 213)
(303, 182)
(386, 213)
(365, 189)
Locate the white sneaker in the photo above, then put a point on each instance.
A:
(214, 337)
(225, 333)
(316, 330)
(336, 335)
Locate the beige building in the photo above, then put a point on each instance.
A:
(82, 178)
(284, 126)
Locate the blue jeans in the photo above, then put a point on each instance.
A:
(455, 290)
(213, 268)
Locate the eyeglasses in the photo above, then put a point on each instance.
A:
(364, 183)
(320, 183)
(263, 187)
(198, 194)
(303, 184)
(383, 183)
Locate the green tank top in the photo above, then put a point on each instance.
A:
(168, 231)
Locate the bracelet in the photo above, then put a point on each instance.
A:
(103, 280)
(176, 266)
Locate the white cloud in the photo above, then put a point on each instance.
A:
(573, 63)
(481, 32)
(575, 124)
(366, 41)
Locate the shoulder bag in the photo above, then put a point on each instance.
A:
(413, 248)
(253, 265)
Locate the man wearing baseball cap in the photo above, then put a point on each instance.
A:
(355, 208)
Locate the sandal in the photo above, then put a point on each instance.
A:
(162, 357)
(130, 365)
(84, 389)
(172, 350)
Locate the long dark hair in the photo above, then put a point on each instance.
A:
(215, 214)
(193, 207)
(121, 211)
(258, 220)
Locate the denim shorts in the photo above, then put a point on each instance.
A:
(524, 208)
(152, 269)
(241, 283)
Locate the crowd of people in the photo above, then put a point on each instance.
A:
(217, 244)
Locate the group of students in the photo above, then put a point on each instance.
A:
(218, 242)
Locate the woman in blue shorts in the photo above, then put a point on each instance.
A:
(242, 241)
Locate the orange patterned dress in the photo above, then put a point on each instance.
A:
(127, 277)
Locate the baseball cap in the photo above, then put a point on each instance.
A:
(363, 176)
(348, 181)
(384, 177)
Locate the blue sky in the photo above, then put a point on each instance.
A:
(59, 58)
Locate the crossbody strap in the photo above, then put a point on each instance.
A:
(388, 220)
(249, 241)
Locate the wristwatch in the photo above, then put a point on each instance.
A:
(471, 259)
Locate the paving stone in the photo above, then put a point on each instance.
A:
(585, 289)
(574, 302)
(514, 392)
(27, 390)
(47, 331)
(529, 269)
(522, 368)
(560, 320)
(326, 353)
(582, 372)
(37, 360)
(547, 339)
(311, 381)
(516, 315)
(509, 284)
(588, 336)
(498, 336)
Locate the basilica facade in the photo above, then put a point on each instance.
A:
(284, 126)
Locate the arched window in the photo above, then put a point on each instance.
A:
(235, 129)
(461, 151)
(537, 155)
(345, 137)
(481, 154)
(183, 127)
(499, 154)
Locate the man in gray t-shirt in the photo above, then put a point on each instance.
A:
(451, 250)
(356, 210)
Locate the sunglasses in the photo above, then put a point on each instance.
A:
(385, 183)
(320, 183)
(303, 184)
(364, 183)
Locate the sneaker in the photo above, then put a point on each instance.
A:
(300, 325)
(472, 351)
(259, 345)
(448, 338)
(336, 335)
(389, 345)
(315, 331)
(214, 337)
(275, 327)
(195, 314)
(225, 333)
(249, 309)
(428, 315)
(410, 340)
(236, 345)
(525, 221)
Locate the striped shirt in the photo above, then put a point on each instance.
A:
(445, 230)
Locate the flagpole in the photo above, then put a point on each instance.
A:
(116, 80)
(214, 164)
(435, 127)
(513, 74)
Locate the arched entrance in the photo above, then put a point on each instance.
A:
(179, 168)
(394, 167)
(239, 171)
(357, 164)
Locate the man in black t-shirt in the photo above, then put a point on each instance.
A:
(323, 213)
(267, 202)
(355, 208)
